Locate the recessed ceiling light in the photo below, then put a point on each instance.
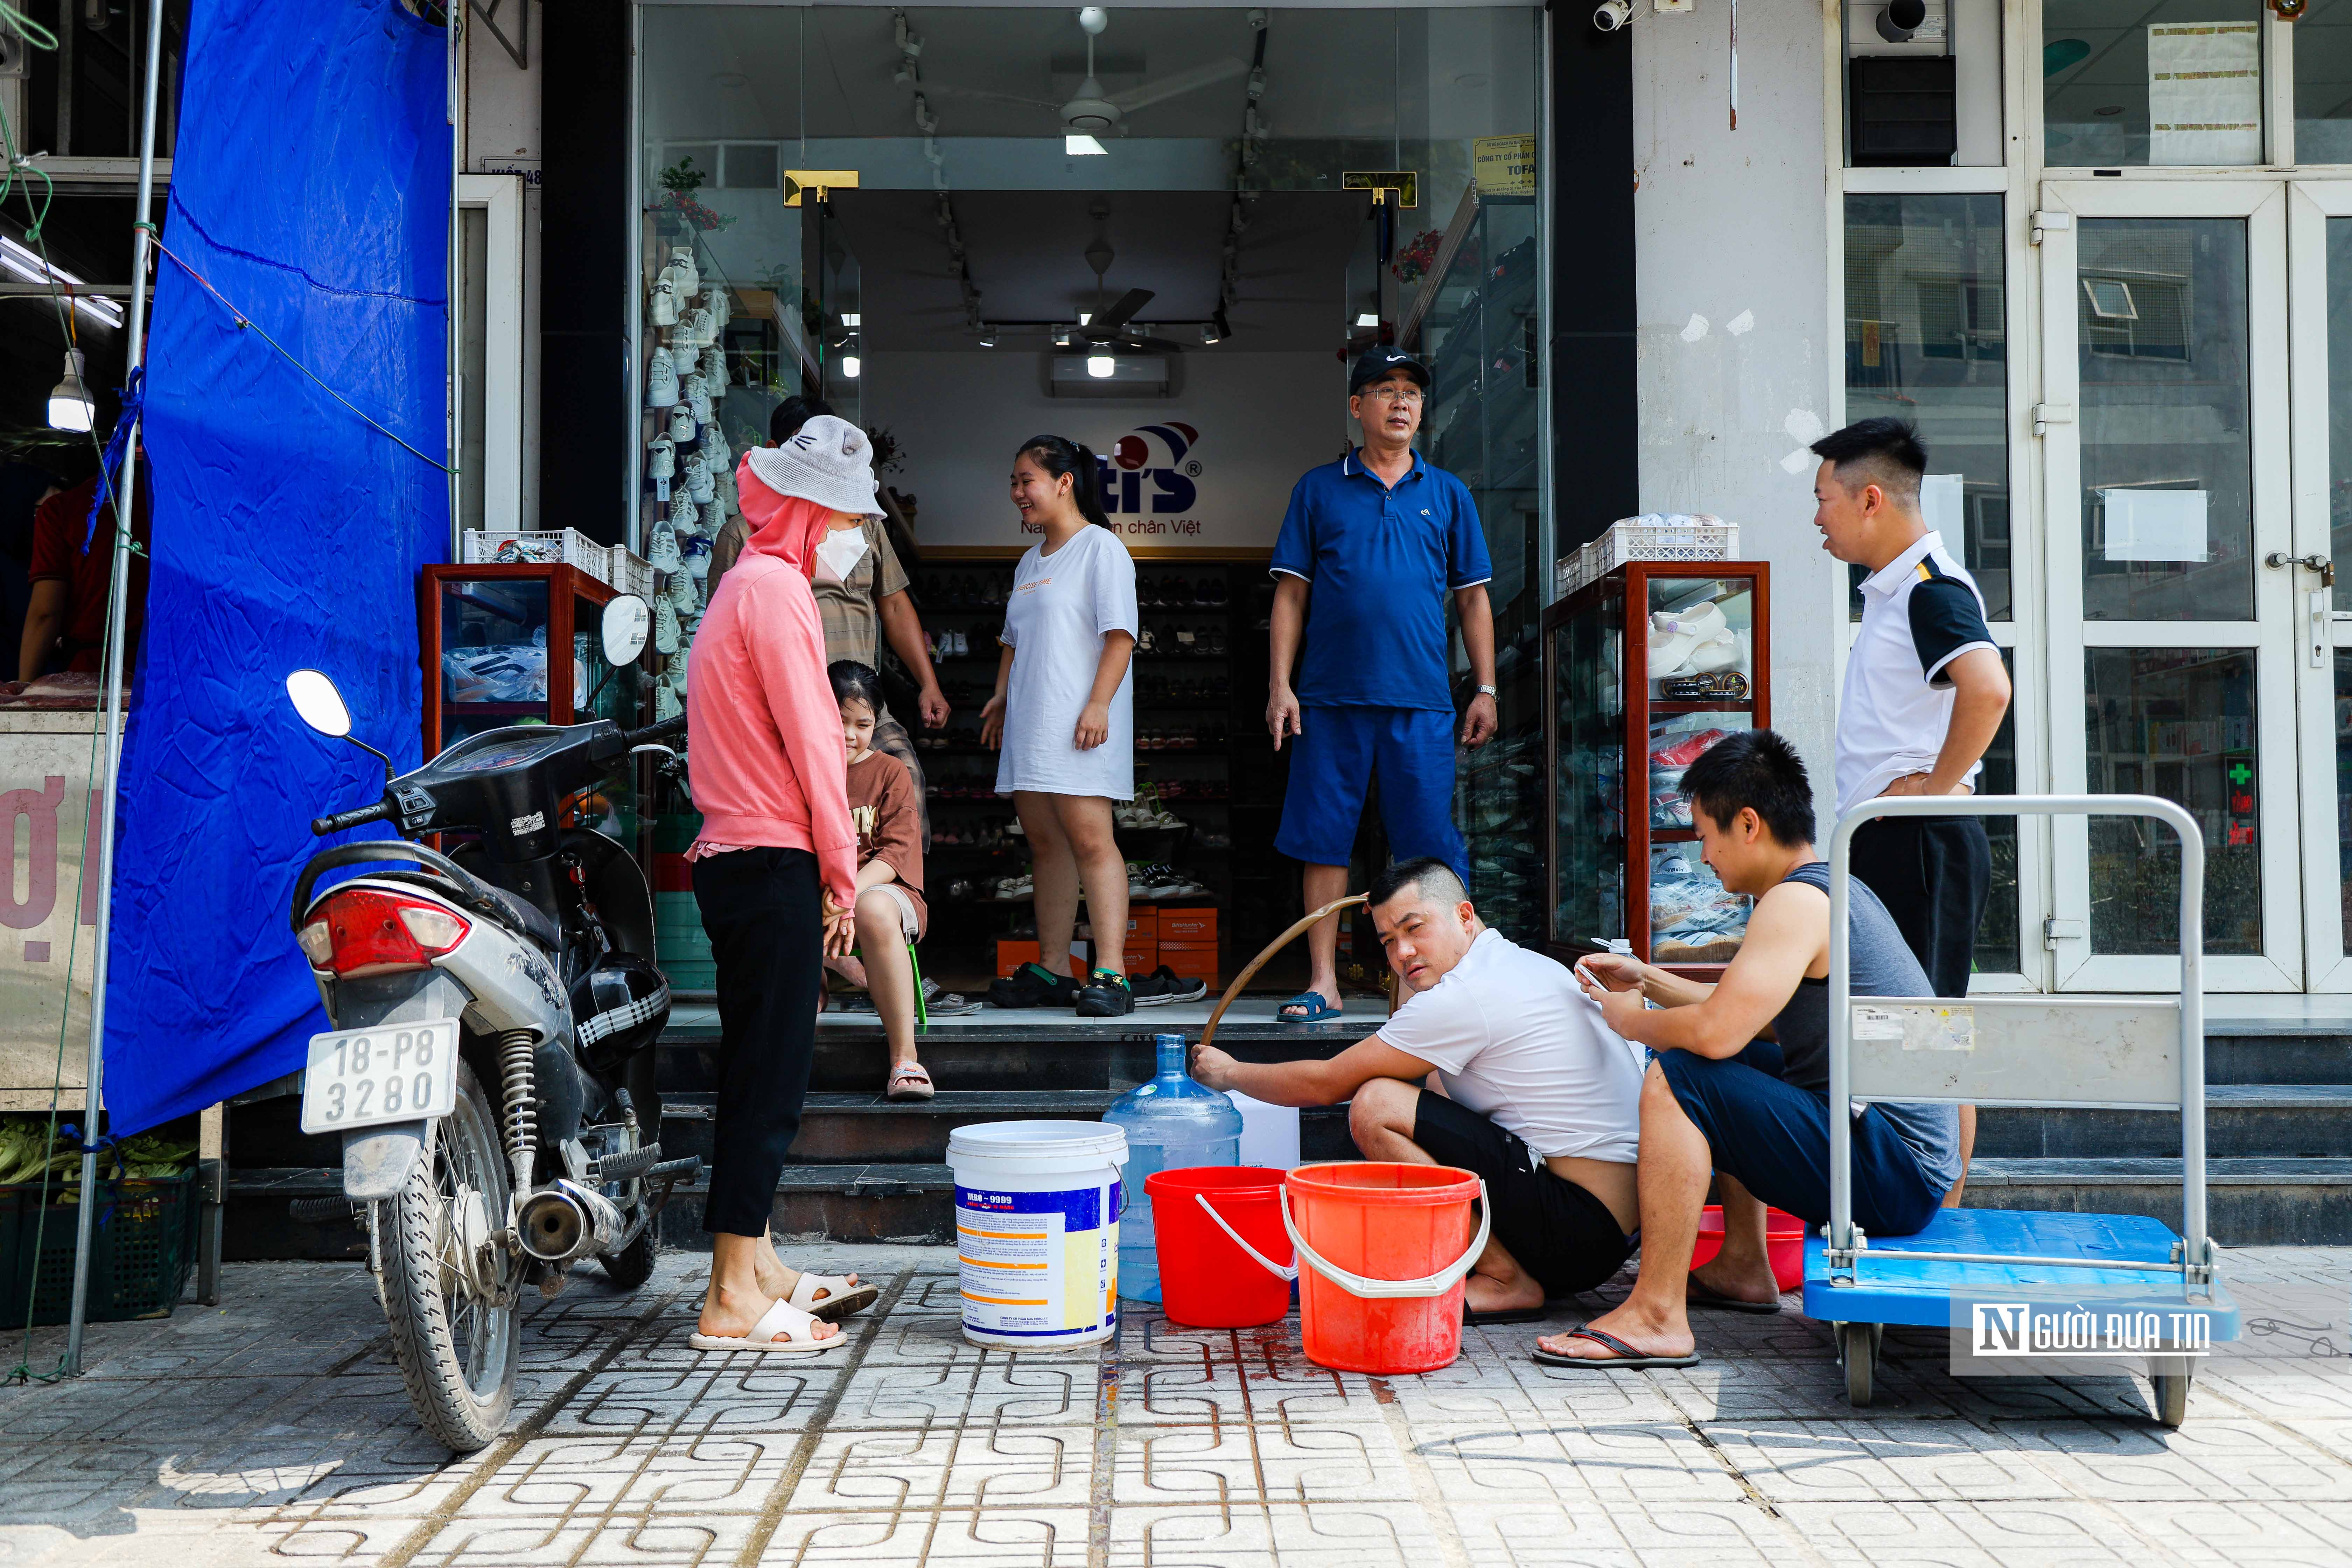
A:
(1079, 145)
(1101, 366)
(1368, 320)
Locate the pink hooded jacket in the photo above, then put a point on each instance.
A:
(763, 732)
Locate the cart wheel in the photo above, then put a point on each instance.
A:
(2172, 1397)
(1858, 1344)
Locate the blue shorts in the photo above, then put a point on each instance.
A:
(1774, 1138)
(1334, 758)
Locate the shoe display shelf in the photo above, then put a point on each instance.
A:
(1473, 321)
(1655, 661)
(1200, 676)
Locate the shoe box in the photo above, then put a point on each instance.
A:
(1189, 927)
(1142, 949)
(1193, 959)
(1012, 954)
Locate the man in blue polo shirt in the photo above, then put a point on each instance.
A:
(1369, 549)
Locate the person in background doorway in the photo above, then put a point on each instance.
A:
(1925, 693)
(1720, 1100)
(23, 488)
(1369, 551)
(775, 871)
(861, 593)
(1541, 1100)
(1063, 718)
(890, 914)
(71, 572)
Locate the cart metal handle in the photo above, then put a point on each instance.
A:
(2197, 1251)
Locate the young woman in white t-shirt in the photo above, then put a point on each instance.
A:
(1062, 718)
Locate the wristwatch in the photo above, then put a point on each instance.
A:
(1487, 691)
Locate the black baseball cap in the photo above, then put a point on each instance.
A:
(1383, 358)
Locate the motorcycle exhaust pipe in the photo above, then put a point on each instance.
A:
(565, 1221)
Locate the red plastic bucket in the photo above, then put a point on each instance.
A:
(1784, 1242)
(1207, 1278)
(1381, 1252)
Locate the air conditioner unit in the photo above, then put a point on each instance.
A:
(1131, 375)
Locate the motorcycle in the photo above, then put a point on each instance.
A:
(490, 1069)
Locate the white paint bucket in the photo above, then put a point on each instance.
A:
(1037, 1231)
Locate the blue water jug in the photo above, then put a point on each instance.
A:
(1171, 1124)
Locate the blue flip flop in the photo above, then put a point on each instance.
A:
(1317, 1009)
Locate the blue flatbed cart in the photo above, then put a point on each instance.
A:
(2133, 1053)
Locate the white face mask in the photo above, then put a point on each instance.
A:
(838, 555)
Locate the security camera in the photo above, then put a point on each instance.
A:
(1901, 19)
(1612, 14)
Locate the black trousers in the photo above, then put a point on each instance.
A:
(760, 909)
(1932, 874)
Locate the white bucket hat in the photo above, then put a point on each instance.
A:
(828, 461)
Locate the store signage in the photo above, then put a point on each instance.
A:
(1504, 165)
(46, 814)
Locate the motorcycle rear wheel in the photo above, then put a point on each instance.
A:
(456, 1355)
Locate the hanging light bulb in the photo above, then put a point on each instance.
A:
(70, 401)
(850, 367)
(1101, 366)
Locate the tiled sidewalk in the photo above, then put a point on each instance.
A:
(275, 1427)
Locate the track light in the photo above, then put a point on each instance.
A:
(1368, 319)
(988, 337)
(69, 403)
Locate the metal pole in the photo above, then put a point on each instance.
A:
(1841, 1021)
(118, 593)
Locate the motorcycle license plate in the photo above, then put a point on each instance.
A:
(393, 1072)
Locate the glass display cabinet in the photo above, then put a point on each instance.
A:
(495, 639)
(1658, 660)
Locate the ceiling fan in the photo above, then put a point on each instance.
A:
(1094, 113)
(1108, 326)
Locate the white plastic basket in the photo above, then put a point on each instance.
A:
(1653, 536)
(567, 546)
(629, 573)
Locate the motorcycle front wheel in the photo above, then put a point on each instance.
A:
(456, 1352)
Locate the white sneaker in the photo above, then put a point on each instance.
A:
(697, 476)
(661, 549)
(681, 421)
(662, 310)
(682, 273)
(694, 329)
(666, 703)
(683, 519)
(710, 518)
(661, 380)
(673, 673)
(696, 394)
(665, 628)
(715, 300)
(697, 558)
(714, 363)
(963, 646)
(661, 460)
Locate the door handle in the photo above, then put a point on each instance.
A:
(2317, 602)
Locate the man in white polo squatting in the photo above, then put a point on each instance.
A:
(1540, 1098)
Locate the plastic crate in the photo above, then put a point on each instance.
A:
(1651, 537)
(141, 1248)
(567, 546)
(629, 573)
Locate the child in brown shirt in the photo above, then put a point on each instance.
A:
(884, 810)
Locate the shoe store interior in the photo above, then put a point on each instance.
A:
(1161, 233)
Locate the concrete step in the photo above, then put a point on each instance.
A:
(2237, 1053)
(2242, 1120)
(909, 1204)
(2248, 1202)
(865, 1129)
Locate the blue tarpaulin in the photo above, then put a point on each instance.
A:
(310, 187)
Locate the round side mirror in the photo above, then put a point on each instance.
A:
(628, 627)
(318, 703)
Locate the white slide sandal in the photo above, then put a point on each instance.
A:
(783, 1329)
(840, 1300)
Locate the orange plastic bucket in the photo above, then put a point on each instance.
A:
(1784, 1242)
(1381, 1252)
(1234, 1275)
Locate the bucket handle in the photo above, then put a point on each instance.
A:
(1436, 1284)
(1260, 1258)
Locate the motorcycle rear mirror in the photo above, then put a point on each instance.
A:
(319, 704)
(628, 626)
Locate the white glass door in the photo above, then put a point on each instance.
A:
(2163, 420)
(2320, 237)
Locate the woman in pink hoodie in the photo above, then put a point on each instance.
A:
(775, 870)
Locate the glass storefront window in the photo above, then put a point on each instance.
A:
(2322, 83)
(2178, 82)
(2166, 443)
(2339, 403)
(1926, 299)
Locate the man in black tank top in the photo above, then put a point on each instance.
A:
(1738, 1087)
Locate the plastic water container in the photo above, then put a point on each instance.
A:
(1171, 1123)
